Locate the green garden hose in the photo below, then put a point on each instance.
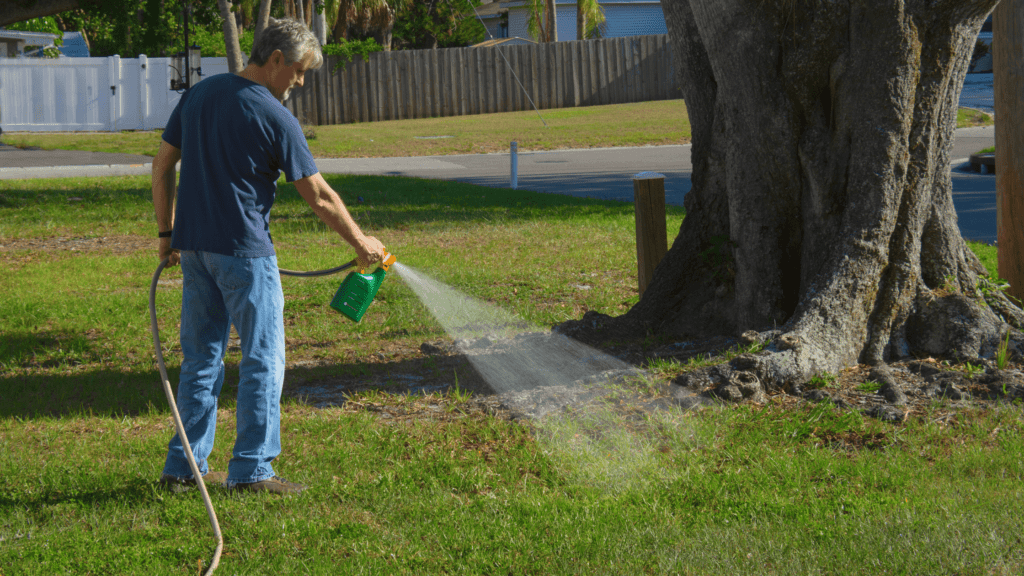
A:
(178, 426)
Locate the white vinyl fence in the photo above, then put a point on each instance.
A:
(89, 94)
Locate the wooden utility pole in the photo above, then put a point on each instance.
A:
(1008, 69)
(651, 234)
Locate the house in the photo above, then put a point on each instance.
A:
(18, 44)
(515, 41)
(505, 19)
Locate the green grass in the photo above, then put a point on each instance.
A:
(988, 254)
(437, 486)
(969, 118)
(641, 124)
(739, 491)
(80, 313)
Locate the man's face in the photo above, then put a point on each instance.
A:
(285, 77)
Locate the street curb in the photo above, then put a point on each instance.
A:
(75, 167)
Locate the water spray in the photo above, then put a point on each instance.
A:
(353, 298)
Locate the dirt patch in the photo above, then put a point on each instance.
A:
(441, 372)
(111, 244)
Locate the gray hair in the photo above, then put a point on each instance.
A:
(292, 38)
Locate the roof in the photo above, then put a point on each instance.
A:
(74, 45)
(30, 38)
(514, 41)
(490, 10)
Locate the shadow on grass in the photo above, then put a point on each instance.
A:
(117, 393)
(45, 349)
(95, 392)
(134, 490)
(333, 385)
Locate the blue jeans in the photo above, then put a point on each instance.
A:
(220, 291)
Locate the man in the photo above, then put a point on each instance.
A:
(234, 138)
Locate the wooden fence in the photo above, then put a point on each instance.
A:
(462, 81)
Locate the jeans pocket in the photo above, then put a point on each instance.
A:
(232, 273)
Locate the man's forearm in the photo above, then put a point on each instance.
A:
(164, 178)
(163, 198)
(327, 205)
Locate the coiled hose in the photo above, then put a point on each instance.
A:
(178, 426)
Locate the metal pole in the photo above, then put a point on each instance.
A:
(188, 63)
(514, 162)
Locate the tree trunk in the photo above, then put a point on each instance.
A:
(262, 20)
(341, 24)
(300, 14)
(581, 21)
(1008, 66)
(551, 21)
(320, 24)
(12, 11)
(821, 212)
(231, 48)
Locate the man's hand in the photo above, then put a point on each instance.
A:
(172, 256)
(370, 251)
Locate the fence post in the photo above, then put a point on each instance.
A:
(514, 164)
(114, 77)
(143, 90)
(651, 236)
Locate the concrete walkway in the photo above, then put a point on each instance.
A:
(596, 173)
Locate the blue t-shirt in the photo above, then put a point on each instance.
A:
(235, 139)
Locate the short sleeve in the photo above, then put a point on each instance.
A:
(296, 161)
(172, 131)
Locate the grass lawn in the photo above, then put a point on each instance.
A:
(427, 483)
(640, 124)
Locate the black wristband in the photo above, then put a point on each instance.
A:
(165, 234)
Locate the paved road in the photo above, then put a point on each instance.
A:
(596, 173)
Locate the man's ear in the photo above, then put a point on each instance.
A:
(277, 58)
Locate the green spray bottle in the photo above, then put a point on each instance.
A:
(358, 290)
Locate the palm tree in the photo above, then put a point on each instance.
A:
(369, 16)
(542, 16)
(541, 22)
(589, 18)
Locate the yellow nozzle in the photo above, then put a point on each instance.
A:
(387, 261)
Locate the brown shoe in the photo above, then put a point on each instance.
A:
(274, 485)
(178, 485)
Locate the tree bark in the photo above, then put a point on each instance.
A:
(581, 21)
(320, 24)
(12, 11)
(341, 24)
(821, 212)
(262, 20)
(551, 21)
(231, 47)
(300, 14)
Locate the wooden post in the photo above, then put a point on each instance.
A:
(1008, 68)
(651, 236)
